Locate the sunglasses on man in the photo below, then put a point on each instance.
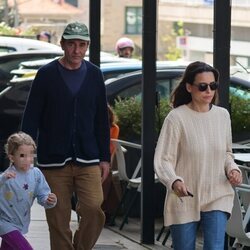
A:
(203, 86)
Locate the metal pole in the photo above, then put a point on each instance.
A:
(16, 13)
(148, 120)
(222, 37)
(95, 31)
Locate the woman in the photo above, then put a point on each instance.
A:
(193, 158)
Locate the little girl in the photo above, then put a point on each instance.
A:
(20, 184)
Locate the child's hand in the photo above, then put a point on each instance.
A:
(51, 199)
(10, 174)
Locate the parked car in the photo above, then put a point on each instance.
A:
(113, 70)
(129, 85)
(9, 44)
(11, 61)
(30, 66)
(13, 98)
(110, 69)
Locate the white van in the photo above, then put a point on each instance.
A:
(17, 44)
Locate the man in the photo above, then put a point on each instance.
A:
(67, 113)
(125, 47)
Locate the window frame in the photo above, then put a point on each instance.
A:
(137, 26)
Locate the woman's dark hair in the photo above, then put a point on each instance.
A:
(180, 95)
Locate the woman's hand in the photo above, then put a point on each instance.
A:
(180, 188)
(235, 177)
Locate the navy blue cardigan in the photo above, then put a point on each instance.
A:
(61, 122)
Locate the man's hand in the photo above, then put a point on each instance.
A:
(105, 168)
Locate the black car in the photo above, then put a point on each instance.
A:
(11, 61)
(13, 97)
(129, 85)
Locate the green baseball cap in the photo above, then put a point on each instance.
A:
(76, 31)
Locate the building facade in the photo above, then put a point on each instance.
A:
(121, 18)
(124, 18)
(47, 15)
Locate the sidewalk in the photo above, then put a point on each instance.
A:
(111, 238)
(38, 235)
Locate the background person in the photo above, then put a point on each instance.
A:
(20, 184)
(67, 112)
(124, 47)
(44, 36)
(114, 129)
(194, 156)
(111, 191)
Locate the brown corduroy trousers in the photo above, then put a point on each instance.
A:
(86, 182)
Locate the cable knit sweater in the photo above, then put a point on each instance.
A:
(195, 147)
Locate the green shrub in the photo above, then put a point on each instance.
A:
(129, 111)
(240, 114)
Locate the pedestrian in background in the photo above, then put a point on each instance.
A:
(125, 47)
(111, 186)
(20, 184)
(44, 36)
(114, 129)
(67, 112)
(194, 160)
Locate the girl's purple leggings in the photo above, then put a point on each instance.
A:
(14, 241)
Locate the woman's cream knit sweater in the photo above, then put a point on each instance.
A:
(195, 147)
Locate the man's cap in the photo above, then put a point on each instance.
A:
(76, 31)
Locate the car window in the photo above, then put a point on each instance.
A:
(5, 69)
(9, 65)
(117, 73)
(133, 91)
(112, 74)
(164, 87)
(243, 93)
(5, 49)
(15, 98)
